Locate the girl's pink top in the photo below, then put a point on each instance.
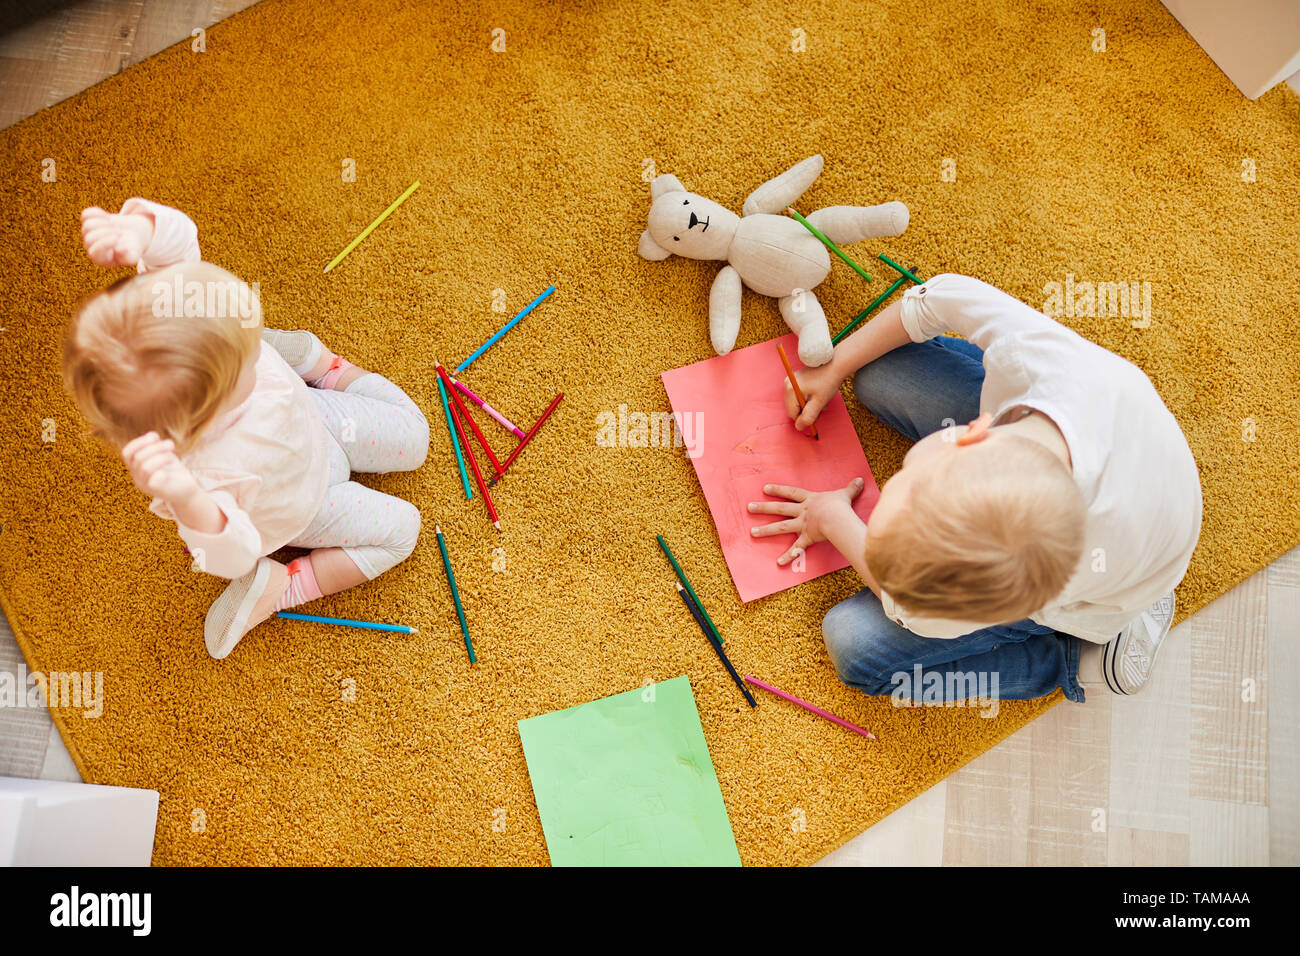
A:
(265, 462)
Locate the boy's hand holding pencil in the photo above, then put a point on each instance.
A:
(819, 385)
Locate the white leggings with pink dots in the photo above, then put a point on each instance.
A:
(375, 428)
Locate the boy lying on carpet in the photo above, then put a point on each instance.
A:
(213, 420)
(1040, 543)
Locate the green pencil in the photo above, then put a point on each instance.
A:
(835, 340)
(455, 442)
(455, 594)
(909, 274)
(828, 244)
(681, 576)
(371, 228)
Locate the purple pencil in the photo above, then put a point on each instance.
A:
(807, 706)
(464, 390)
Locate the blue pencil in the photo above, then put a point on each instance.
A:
(371, 625)
(504, 329)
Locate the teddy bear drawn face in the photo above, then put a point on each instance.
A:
(691, 225)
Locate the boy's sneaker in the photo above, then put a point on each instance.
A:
(1126, 662)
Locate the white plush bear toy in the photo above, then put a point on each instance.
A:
(772, 254)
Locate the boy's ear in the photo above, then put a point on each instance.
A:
(647, 248)
(667, 183)
(978, 431)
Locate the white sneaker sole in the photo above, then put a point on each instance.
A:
(225, 625)
(1111, 652)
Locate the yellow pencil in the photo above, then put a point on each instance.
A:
(371, 228)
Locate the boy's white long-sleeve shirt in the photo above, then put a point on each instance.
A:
(1129, 457)
(265, 462)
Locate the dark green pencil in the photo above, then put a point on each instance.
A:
(907, 273)
(704, 628)
(455, 594)
(835, 340)
(681, 576)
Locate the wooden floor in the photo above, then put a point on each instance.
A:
(1202, 768)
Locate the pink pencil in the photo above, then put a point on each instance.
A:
(807, 706)
(488, 408)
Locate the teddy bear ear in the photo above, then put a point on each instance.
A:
(647, 248)
(667, 183)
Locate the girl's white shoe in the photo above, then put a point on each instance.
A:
(235, 611)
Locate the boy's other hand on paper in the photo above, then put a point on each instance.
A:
(156, 470)
(819, 386)
(809, 514)
(115, 239)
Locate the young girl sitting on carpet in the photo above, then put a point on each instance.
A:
(215, 421)
(1040, 545)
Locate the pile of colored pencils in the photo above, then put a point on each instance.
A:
(461, 425)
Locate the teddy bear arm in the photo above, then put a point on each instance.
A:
(774, 195)
(842, 224)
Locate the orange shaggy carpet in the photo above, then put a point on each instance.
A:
(1124, 166)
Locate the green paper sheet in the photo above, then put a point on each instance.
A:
(627, 781)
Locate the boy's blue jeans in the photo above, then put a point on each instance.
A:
(918, 389)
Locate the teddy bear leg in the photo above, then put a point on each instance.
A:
(855, 223)
(803, 313)
(724, 310)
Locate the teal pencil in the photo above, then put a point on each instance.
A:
(455, 442)
(455, 594)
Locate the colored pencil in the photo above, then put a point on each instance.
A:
(798, 392)
(473, 462)
(681, 576)
(455, 594)
(500, 419)
(467, 418)
(503, 330)
(900, 281)
(346, 622)
(906, 273)
(371, 228)
(704, 628)
(527, 438)
(455, 443)
(828, 244)
(807, 706)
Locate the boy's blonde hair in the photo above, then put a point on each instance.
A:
(161, 351)
(991, 533)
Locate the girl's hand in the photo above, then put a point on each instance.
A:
(157, 471)
(819, 385)
(809, 513)
(115, 239)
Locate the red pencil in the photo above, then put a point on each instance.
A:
(464, 413)
(469, 453)
(527, 438)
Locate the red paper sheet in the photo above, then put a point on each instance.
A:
(731, 410)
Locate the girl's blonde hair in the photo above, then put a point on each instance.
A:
(992, 533)
(161, 351)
